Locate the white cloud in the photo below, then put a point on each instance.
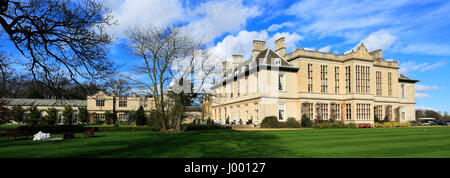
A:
(427, 48)
(325, 49)
(275, 27)
(131, 13)
(214, 18)
(422, 67)
(426, 108)
(328, 17)
(243, 43)
(422, 90)
(290, 40)
(379, 40)
(204, 22)
(355, 20)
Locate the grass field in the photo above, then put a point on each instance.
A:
(322, 143)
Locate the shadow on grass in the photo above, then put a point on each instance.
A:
(195, 144)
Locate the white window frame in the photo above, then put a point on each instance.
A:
(276, 61)
(282, 82)
(284, 112)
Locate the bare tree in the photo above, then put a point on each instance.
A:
(60, 36)
(176, 68)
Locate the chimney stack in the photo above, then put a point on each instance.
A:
(258, 46)
(280, 47)
(133, 94)
(224, 68)
(237, 59)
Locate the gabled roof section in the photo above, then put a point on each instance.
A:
(267, 56)
(404, 78)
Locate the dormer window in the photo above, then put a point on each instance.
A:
(276, 61)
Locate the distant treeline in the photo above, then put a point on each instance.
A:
(63, 88)
(432, 114)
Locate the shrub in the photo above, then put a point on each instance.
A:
(33, 116)
(83, 115)
(376, 119)
(52, 116)
(153, 119)
(306, 122)
(109, 117)
(391, 124)
(67, 115)
(191, 127)
(117, 128)
(141, 119)
(291, 123)
(335, 124)
(18, 113)
(270, 122)
(53, 129)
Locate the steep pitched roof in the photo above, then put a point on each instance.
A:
(404, 78)
(268, 55)
(43, 102)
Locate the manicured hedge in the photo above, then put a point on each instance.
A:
(191, 127)
(291, 123)
(122, 128)
(270, 122)
(53, 129)
(391, 125)
(335, 124)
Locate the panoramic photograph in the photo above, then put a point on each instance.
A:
(217, 79)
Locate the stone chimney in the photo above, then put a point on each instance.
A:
(224, 68)
(258, 46)
(280, 47)
(237, 59)
(133, 94)
(377, 54)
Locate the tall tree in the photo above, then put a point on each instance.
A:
(170, 61)
(141, 119)
(52, 116)
(60, 35)
(18, 113)
(83, 115)
(67, 114)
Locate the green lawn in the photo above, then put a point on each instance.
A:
(323, 143)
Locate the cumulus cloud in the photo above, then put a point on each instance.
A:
(204, 22)
(377, 40)
(422, 90)
(242, 43)
(422, 67)
(214, 18)
(131, 13)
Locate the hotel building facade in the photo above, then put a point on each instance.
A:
(353, 88)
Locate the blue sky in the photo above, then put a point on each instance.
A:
(415, 33)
